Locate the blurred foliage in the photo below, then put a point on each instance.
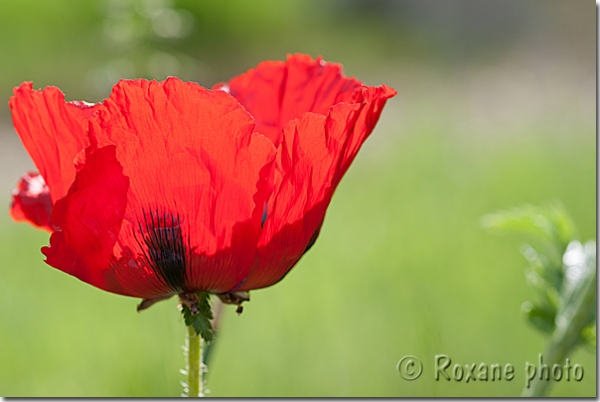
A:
(85, 47)
(563, 273)
(561, 268)
(496, 107)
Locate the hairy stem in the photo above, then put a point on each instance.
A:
(195, 385)
(215, 323)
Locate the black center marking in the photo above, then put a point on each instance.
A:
(164, 248)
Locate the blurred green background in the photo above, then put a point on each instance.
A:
(496, 107)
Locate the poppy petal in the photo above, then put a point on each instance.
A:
(307, 162)
(315, 153)
(371, 100)
(31, 202)
(90, 217)
(53, 132)
(167, 187)
(198, 180)
(276, 92)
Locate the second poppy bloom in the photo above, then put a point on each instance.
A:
(168, 188)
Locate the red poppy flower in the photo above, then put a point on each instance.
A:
(168, 187)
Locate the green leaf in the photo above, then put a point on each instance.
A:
(562, 271)
(560, 267)
(542, 318)
(549, 226)
(588, 335)
(201, 321)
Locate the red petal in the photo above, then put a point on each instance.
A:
(90, 217)
(53, 132)
(371, 100)
(31, 202)
(306, 166)
(315, 153)
(191, 156)
(276, 92)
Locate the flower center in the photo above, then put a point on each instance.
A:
(165, 248)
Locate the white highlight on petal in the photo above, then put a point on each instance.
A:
(36, 185)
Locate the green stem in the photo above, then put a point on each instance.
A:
(215, 323)
(566, 336)
(195, 386)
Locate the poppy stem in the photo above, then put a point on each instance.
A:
(197, 315)
(195, 367)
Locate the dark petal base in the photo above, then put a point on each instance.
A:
(191, 301)
(235, 298)
(149, 302)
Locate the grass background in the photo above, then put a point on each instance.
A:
(496, 108)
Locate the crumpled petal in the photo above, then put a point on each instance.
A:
(89, 218)
(276, 92)
(318, 119)
(371, 100)
(315, 153)
(53, 132)
(31, 202)
(168, 187)
(197, 176)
